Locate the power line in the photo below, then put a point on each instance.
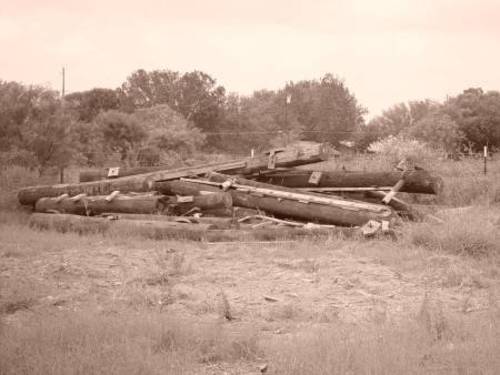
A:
(282, 132)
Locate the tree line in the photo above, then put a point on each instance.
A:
(161, 116)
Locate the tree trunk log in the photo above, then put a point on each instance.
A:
(418, 181)
(159, 230)
(147, 228)
(94, 205)
(216, 222)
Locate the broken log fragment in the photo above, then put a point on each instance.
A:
(418, 181)
(94, 205)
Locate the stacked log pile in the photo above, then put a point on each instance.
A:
(260, 197)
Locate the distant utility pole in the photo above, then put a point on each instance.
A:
(288, 99)
(63, 90)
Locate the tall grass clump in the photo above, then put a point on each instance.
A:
(470, 232)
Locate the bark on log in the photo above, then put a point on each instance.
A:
(94, 205)
(418, 181)
(301, 154)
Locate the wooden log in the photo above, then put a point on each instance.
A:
(178, 187)
(418, 181)
(146, 228)
(94, 205)
(180, 205)
(258, 188)
(300, 154)
(159, 230)
(286, 203)
(216, 222)
(234, 212)
(338, 212)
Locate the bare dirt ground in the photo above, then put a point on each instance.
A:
(277, 290)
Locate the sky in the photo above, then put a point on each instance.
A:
(386, 51)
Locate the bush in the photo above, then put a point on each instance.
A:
(395, 149)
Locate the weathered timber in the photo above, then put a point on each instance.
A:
(171, 230)
(216, 222)
(146, 228)
(94, 205)
(418, 181)
(180, 205)
(296, 155)
(178, 187)
(286, 203)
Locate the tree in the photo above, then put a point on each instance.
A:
(439, 131)
(478, 116)
(88, 104)
(145, 89)
(169, 134)
(19, 106)
(195, 95)
(325, 109)
(50, 140)
(121, 133)
(394, 121)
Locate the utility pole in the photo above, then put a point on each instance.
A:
(288, 99)
(63, 92)
(63, 88)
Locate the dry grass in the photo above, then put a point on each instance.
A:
(471, 233)
(89, 342)
(463, 346)
(120, 303)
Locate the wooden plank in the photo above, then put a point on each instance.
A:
(392, 193)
